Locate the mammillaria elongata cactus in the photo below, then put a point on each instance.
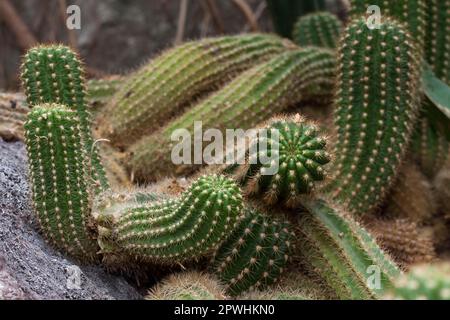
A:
(377, 102)
(162, 88)
(301, 154)
(60, 179)
(251, 98)
(321, 29)
(175, 230)
(54, 74)
(254, 254)
(336, 249)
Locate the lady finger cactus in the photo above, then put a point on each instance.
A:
(251, 98)
(254, 254)
(320, 29)
(423, 282)
(177, 230)
(377, 104)
(59, 179)
(161, 89)
(187, 286)
(299, 154)
(335, 249)
(53, 74)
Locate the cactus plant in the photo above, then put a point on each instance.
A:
(405, 241)
(176, 230)
(337, 250)
(301, 155)
(53, 74)
(100, 91)
(187, 286)
(412, 13)
(423, 282)
(162, 88)
(60, 179)
(251, 98)
(437, 38)
(254, 254)
(321, 29)
(412, 196)
(377, 104)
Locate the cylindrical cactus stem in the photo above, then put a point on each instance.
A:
(334, 248)
(60, 179)
(177, 230)
(100, 91)
(412, 13)
(251, 98)
(54, 74)
(298, 154)
(377, 104)
(191, 285)
(321, 29)
(423, 282)
(437, 38)
(164, 87)
(254, 254)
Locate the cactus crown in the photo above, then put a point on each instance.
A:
(254, 254)
(300, 153)
(60, 179)
(376, 106)
(181, 229)
(321, 29)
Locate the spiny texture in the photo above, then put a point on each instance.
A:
(410, 12)
(278, 293)
(300, 153)
(53, 74)
(102, 90)
(424, 282)
(404, 240)
(251, 98)
(187, 286)
(431, 140)
(60, 179)
(162, 88)
(254, 254)
(181, 229)
(411, 196)
(376, 107)
(320, 29)
(437, 39)
(334, 248)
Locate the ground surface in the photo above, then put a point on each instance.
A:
(29, 268)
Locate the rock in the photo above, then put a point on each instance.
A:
(29, 268)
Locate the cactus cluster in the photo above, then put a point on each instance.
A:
(247, 231)
(317, 29)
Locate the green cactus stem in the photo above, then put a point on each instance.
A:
(177, 230)
(334, 248)
(251, 98)
(412, 13)
(254, 254)
(423, 282)
(191, 285)
(301, 158)
(60, 179)
(163, 88)
(100, 91)
(54, 74)
(321, 29)
(377, 104)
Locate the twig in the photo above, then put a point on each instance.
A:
(248, 13)
(258, 13)
(71, 36)
(13, 21)
(181, 21)
(217, 20)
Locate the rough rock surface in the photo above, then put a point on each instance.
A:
(29, 268)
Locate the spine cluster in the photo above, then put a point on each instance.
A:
(320, 29)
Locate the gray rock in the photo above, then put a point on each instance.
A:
(29, 268)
